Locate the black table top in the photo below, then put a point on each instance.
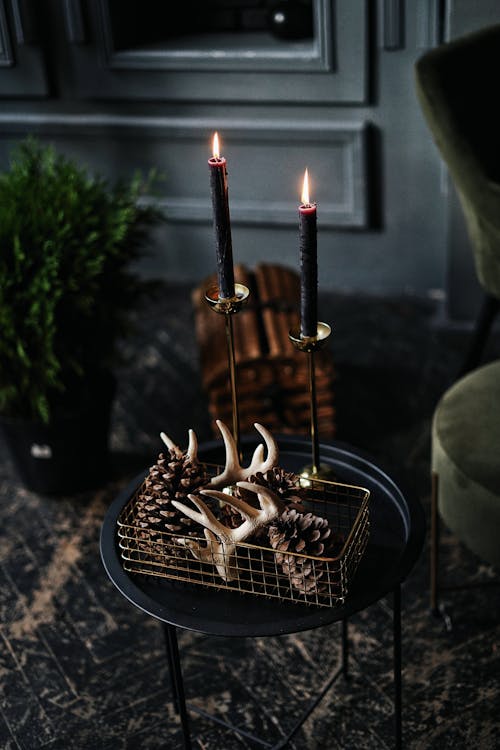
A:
(396, 539)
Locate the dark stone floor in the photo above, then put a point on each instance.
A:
(82, 669)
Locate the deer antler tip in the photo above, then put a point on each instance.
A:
(168, 441)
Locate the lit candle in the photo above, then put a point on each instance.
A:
(308, 263)
(222, 222)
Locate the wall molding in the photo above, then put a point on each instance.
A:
(348, 212)
(331, 68)
(6, 58)
(341, 146)
(392, 25)
(315, 55)
(75, 24)
(429, 31)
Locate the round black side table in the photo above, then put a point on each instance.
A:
(396, 539)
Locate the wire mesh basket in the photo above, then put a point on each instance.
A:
(258, 569)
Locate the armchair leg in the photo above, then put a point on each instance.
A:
(437, 608)
(434, 542)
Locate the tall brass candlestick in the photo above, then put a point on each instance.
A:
(310, 345)
(311, 335)
(229, 306)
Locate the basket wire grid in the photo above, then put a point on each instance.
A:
(259, 569)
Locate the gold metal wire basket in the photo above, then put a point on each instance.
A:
(261, 570)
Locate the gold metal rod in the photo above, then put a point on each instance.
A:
(229, 307)
(314, 415)
(232, 377)
(434, 541)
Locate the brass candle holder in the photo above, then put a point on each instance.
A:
(229, 306)
(310, 345)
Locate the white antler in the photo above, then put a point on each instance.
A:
(220, 549)
(192, 450)
(222, 540)
(233, 471)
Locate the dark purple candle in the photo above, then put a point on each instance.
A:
(308, 264)
(222, 222)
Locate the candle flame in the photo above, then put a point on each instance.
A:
(305, 189)
(216, 146)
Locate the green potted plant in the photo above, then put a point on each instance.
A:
(67, 242)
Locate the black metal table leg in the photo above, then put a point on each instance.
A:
(174, 664)
(397, 668)
(345, 647)
(171, 672)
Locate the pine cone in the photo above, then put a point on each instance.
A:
(306, 534)
(283, 483)
(173, 477)
(231, 517)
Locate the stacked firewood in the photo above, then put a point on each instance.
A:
(272, 376)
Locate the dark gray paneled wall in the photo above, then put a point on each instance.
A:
(342, 104)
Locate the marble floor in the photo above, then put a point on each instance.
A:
(82, 669)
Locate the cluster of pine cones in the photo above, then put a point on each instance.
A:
(175, 475)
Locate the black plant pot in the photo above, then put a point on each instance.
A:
(71, 453)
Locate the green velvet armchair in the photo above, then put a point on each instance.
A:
(457, 86)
